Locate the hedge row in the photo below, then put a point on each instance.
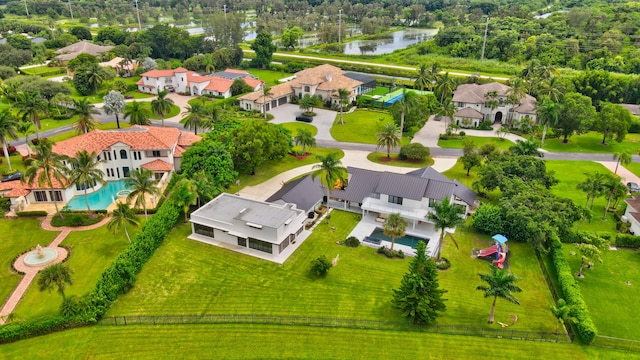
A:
(628, 241)
(31, 213)
(117, 279)
(585, 327)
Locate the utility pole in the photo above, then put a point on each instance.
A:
(70, 10)
(484, 41)
(340, 26)
(224, 6)
(26, 8)
(138, 12)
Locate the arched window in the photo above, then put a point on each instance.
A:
(307, 89)
(123, 154)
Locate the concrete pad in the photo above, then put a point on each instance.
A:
(323, 120)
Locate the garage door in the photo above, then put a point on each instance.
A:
(282, 100)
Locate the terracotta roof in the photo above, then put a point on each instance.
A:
(137, 137)
(178, 151)
(180, 70)
(186, 139)
(237, 71)
(158, 73)
(252, 82)
(19, 188)
(157, 165)
(197, 78)
(469, 113)
(73, 50)
(219, 84)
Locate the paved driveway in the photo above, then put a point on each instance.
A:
(323, 120)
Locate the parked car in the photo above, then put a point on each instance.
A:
(11, 177)
(304, 118)
(633, 187)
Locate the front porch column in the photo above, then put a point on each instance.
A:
(414, 224)
(345, 205)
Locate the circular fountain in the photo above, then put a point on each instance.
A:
(40, 256)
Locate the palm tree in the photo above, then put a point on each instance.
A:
(526, 147)
(445, 215)
(85, 173)
(161, 105)
(445, 86)
(266, 91)
(422, 77)
(553, 88)
(343, 95)
(122, 215)
(184, 194)
(562, 312)
(8, 127)
(213, 114)
(492, 101)
(548, 113)
(84, 110)
(389, 136)
(31, 104)
(58, 275)
(613, 188)
(500, 284)
(24, 128)
(114, 104)
(433, 73)
(304, 138)
(394, 227)
(195, 114)
(622, 157)
(95, 76)
(137, 113)
(592, 185)
(206, 189)
(45, 167)
(330, 170)
(447, 109)
(141, 182)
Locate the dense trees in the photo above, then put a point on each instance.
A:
(254, 142)
(613, 122)
(211, 157)
(264, 49)
(576, 115)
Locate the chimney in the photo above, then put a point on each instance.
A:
(328, 77)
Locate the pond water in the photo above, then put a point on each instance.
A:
(396, 41)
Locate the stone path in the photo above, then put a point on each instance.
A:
(30, 272)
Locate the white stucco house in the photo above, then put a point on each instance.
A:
(472, 101)
(266, 230)
(120, 151)
(184, 81)
(633, 213)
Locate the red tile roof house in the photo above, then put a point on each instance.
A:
(156, 149)
(189, 82)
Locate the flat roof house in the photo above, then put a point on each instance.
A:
(265, 230)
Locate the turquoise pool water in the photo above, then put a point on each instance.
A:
(98, 200)
(407, 240)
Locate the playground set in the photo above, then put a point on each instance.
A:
(499, 250)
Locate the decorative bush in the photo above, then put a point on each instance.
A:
(488, 219)
(320, 266)
(414, 151)
(389, 253)
(75, 219)
(443, 264)
(463, 134)
(585, 328)
(31, 213)
(10, 148)
(352, 241)
(628, 241)
(485, 125)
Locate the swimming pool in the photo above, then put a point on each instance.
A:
(98, 200)
(408, 240)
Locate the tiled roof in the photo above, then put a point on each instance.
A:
(186, 138)
(633, 108)
(634, 202)
(469, 113)
(158, 73)
(180, 70)
(73, 50)
(18, 188)
(219, 84)
(178, 151)
(158, 165)
(475, 94)
(275, 92)
(527, 105)
(237, 71)
(252, 82)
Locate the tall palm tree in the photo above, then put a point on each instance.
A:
(8, 127)
(31, 105)
(304, 138)
(447, 109)
(45, 167)
(161, 105)
(57, 275)
(622, 157)
(137, 113)
(548, 113)
(84, 110)
(422, 77)
(592, 185)
(24, 127)
(141, 182)
(85, 173)
(195, 115)
(433, 73)
(499, 284)
(492, 101)
(343, 95)
(445, 215)
(553, 88)
(266, 91)
(114, 104)
(211, 115)
(184, 194)
(445, 86)
(526, 147)
(389, 136)
(612, 187)
(562, 312)
(122, 215)
(95, 76)
(330, 170)
(394, 227)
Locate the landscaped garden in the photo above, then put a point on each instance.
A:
(501, 143)
(591, 142)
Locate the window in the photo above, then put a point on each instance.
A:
(242, 242)
(107, 155)
(203, 230)
(260, 245)
(40, 195)
(155, 153)
(98, 158)
(395, 199)
(135, 156)
(118, 171)
(125, 171)
(306, 89)
(56, 195)
(85, 186)
(283, 245)
(123, 154)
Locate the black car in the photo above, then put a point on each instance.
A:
(304, 118)
(633, 187)
(11, 177)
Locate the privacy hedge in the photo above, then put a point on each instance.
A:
(585, 328)
(31, 213)
(628, 241)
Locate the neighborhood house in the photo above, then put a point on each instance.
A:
(184, 81)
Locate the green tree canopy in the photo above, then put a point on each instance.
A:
(256, 141)
(613, 122)
(264, 49)
(211, 157)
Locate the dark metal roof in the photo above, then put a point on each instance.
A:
(304, 192)
(360, 77)
(408, 187)
(361, 184)
(439, 190)
(428, 173)
(464, 193)
(229, 75)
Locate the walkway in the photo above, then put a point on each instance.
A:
(30, 272)
(430, 133)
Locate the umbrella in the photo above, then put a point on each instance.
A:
(500, 238)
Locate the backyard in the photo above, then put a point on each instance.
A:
(270, 77)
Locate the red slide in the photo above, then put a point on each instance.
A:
(488, 251)
(500, 262)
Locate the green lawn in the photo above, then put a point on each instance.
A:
(294, 126)
(501, 143)
(591, 143)
(634, 168)
(92, 251)
(361, 126)
(175, 110)
(381, 158)
(16, 164)
(379, 91)
(268, 76)
(610, 300)
(19, 236)
(274, 167)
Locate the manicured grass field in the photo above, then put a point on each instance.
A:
(19, 236)
(379, 90)
(294, 126)
(268, 76)
(501, 143)
(274, 167)
(381, 158)
(634, 168)
(92, 251)
(591, 143)
(610, 300)
(16, 164)
(361, 126)
(280, 342)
